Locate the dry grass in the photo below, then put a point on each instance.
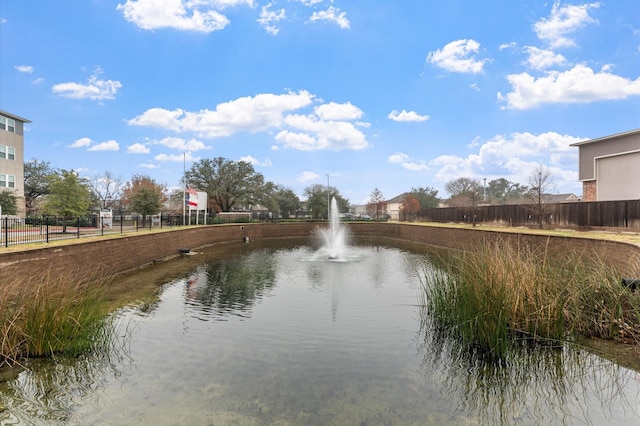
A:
(41, 314)
(495, 294)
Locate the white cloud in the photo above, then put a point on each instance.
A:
(81, 143)
(406, 162)
(184, 15)
(182, 144)
(310, 133)
(513, 157)
(335, 111)
(25, 68)
(109, 145)
(407, 116)
(333, 15)
(509, 45)
(577, 85)
(175, 158)
(458, 56)
(94, 89)
(269, 19)
(138, 148)
(540, 59)
(328, 127)
(563, 21)
(148, 166)
(307, 176)
(249, 114)
(254, 161)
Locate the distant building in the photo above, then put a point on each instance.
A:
(609, 167)
(12, 156)
(394, 206)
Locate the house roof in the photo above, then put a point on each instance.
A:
(602, 139)
(398, 198)
(15, 117)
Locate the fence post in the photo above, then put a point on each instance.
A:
(6, 232)
(46, 221)
(78, 227)
(101, 225)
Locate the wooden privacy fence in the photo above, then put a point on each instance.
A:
(618, 214)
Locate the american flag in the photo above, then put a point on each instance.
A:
(192, 197)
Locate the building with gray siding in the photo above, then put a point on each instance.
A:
(609, 167)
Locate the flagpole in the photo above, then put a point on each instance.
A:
(184, 187)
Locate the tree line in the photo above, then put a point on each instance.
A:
(230, 185)
(235, 185)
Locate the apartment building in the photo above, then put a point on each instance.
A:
(12, 156)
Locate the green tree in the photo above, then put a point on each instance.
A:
(287, 201)
(69, 195)
(144, 195)
(37, 178)
(227, 183)
(8, 202)
(317, 200)
(427, 197)
(503, 191)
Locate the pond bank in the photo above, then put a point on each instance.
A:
(118, 255)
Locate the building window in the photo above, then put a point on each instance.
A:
(7, 152)
(7, 124)
(7, 181)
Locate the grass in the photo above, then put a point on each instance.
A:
(42, 315)
(495, 295)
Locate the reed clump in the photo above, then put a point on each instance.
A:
(42, 314)
(498, 293)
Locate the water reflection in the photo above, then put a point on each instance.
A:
(533, 384)
(230, 286)
(262, 336)
(46, 391)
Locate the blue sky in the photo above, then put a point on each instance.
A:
(376, 94)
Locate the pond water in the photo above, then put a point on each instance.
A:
(267, 334)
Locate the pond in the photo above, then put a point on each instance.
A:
(268, 333)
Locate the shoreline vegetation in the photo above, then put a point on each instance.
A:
(496, 295)
(43, 315)
(488, 297)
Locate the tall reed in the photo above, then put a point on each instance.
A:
(499, 293)
(42, 314)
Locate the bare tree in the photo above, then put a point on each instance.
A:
(463, 186)
(106, 189)
(376, 203)
(541, 186)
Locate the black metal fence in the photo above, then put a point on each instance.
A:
(582, 214)
(50, 228)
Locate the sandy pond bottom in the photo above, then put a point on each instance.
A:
(268, 335)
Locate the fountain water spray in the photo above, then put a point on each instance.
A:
(334, 237)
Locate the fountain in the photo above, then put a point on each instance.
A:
(334, 237)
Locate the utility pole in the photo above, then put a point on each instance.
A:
(328, 198)
(484, 191)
